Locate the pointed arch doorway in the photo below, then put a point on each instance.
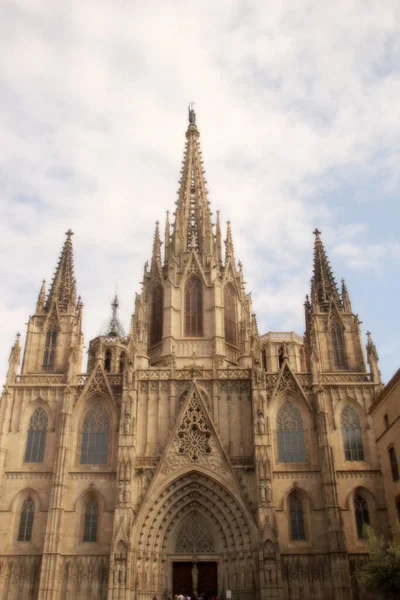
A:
(195, 561)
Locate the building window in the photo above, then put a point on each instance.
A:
(26, 521)
(337, 339)
(91, 521)
(362, 514)
(121, 362)
(386, 421)
(393, 463)
(297, 528)
(351, 431)
(230, 314)
(157, 303)
(107, 361)
(398, 508)
(36, 441)
(95, 437)
(193, 308)
(290, 432)
(50, 348)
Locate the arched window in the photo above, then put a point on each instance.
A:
(351, 431)
(156, 326)
(107, 361)
(36, 441)
(26, 520)
(290, 432)
(362, 514)
(281, 352)
(121, 362)
(95, 437)
(50, 348)
(91, 521)
(393, 463)
(230, 314)
(193, 308)
(296, 512)
(337, 340)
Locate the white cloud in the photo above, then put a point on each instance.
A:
(92, 124)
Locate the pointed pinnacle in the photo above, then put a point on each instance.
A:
(229, 251)
(323, 285)
(63, 286)
(41, 298)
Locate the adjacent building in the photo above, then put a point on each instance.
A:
(192, 454)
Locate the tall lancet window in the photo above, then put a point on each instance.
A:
(34, 452)
(230, 314)
(361, 514)
(337, 340)
(290, 432)
(91, 519)
(297, 528)
(50, 348)
(193, 307)
(26, 520)
(156, 325)
(95, 437)
(351, 431)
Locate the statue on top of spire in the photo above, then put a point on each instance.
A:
(192, 114)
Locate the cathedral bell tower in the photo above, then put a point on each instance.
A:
(333, 339)
(54, 338)
(193, 302)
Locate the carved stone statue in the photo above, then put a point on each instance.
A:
(129, 373)
(261, 422)
(268, 490)
(195, 577)
(120, 493)
(127, 494)
(262, 491)
(127, 422)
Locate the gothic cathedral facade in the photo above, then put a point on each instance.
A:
(194, 454)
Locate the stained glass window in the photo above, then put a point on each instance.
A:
(290, 433)
(297, 528)
(362, 514)
(193, 308)
(337, 340)
(351, 431)
(157, 302)
(26, 520)
(90, 521)
(36, 441)
(230, 314)
(95, 437)
(50, 348)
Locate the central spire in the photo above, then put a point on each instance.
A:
(192, 229)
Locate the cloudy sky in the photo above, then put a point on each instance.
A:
(298, 107)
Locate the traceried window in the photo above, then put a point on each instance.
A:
(91, 520)
(95, 437)
(50, 348)
(26, 520)
(393, 463)
(193, 308)
(290, 434)
(296, 512)
(337, 340)
(121, 362)
(230, 314)
(351, 431)
(107, 361)
(361, 513)
(194, 537)
(35, 445)
(156, 326)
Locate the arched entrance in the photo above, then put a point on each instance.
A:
(195, 531)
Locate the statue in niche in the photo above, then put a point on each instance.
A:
(129, 373)
(262, 491)
(268, 490)
(195, 577)
(120, 493)
(127, 494)
(127, 422)
(261, 422)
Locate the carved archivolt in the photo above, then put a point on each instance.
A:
(197, 493)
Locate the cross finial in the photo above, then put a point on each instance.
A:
(317, 233)
(69, 233)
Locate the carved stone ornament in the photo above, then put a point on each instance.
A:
(194, 537)
(194, 442)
